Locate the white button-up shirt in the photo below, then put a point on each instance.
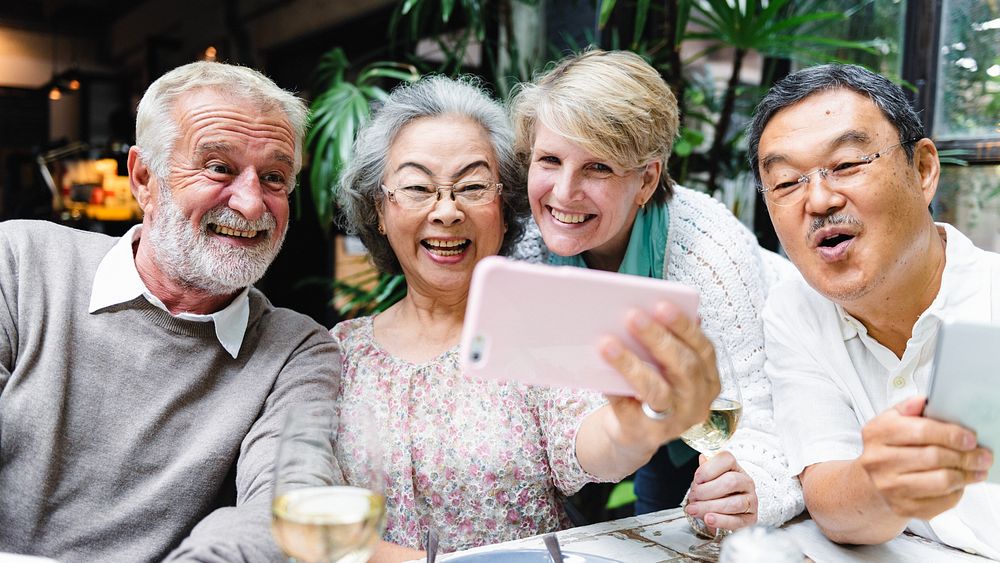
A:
(117, 281)
(830, 377)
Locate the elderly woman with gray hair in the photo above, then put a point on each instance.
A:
(434, 187)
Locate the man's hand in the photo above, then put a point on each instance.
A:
(722, 494)
(919, 466)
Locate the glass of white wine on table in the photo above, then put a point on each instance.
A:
(316, 516)
(710, 437)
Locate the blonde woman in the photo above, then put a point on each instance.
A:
(595, 133)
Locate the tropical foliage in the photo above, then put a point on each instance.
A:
(339, 110)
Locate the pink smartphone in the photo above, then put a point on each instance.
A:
(541, 324)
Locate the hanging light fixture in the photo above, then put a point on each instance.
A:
(55, 93)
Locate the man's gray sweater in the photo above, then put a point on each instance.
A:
(128, 434)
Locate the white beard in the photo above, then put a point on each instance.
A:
(198, 260)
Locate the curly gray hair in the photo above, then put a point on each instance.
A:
(360, 195)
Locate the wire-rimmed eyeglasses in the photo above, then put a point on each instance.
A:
(468, 193)
(786, 186)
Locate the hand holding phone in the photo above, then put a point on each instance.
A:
(965, 383)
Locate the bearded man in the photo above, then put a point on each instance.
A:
(143, 381)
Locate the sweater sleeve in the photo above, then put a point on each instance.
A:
(710, 250)
(8, 309)
(531, 247)
(243, 532)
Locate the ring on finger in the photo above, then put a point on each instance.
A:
(749, 506)
(654, 414)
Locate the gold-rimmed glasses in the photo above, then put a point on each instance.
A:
(467, 193)
(783, 185)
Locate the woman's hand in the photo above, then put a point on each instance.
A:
(620, 437)
(722, 494)
(386, 552)
(680, 388)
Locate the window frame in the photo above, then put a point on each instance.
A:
(921, 44)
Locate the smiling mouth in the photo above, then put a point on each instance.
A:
(446, 247)
(569, 218)
(835, 240)
(231, 232)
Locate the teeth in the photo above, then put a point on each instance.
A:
(445, 243)
(449, 247)
(233, 232)
(568, 217)
(445, 252)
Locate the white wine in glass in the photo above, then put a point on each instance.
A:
(335, 523)
(710, 437)
(316, 516)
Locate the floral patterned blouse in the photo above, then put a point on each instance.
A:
(481, 461)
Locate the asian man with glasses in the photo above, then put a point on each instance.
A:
(847, 175)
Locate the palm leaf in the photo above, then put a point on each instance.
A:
(606, 7)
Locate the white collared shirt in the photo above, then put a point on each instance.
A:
(117, 281)
(829, 377)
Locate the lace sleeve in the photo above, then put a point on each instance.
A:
(709, 249)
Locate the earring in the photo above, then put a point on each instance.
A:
(381, 229)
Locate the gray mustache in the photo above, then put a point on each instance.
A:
(225, 216)
(832, 220)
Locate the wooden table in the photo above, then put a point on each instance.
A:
(663, 537)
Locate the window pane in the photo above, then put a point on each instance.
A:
(878, 23)
(969, 198)
(968, 93)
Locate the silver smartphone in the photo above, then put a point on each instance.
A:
(965, 383)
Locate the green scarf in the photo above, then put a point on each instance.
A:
(644, 256)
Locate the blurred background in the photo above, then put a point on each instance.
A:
(72, 72)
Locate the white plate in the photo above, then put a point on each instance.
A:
(527, 556)
(15, 558)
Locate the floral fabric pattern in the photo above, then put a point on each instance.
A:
(481, 461)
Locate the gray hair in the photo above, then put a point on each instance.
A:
(360, 195)
(156, 131)
(799, 85)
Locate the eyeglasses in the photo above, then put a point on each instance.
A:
(787, 186)
(419, 196)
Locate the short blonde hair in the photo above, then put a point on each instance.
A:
(611, 103)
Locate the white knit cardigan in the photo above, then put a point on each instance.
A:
(709, 249)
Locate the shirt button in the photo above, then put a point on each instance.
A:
(899, 382)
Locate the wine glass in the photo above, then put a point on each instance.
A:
(316, 516)
(710, 437)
